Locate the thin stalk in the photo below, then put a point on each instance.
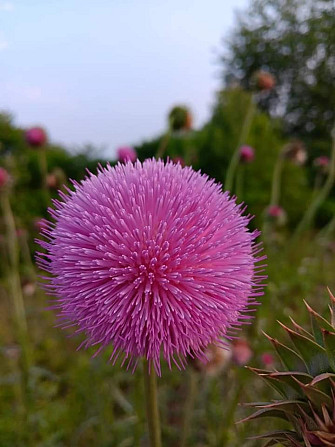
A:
(239, 183)
(150, 387)
(275, 190)
(276, 180)
(189, 406)
(236, 155)
(163, 145)
(14, 283)
(311, 211)
(44, 173)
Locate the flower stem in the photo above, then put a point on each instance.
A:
(236, 155)
(189, 405)
(150, 386)
(276, 180)
(311, 211)
(14, 284)
(163, 145)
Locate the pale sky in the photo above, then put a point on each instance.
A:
(107, 72)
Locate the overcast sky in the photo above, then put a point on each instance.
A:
(107, 71)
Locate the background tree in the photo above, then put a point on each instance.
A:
(295, 41)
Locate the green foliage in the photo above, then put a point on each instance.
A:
(295, 41)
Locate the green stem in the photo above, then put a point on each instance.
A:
(239, 182)
(150, 386)
(163, 145)
(276, 180)
(189, 405)
(236, 155)
(17, 299)
(311, 211)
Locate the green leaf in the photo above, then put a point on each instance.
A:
(315, 396)
(313, 354)
(329, 341)
(289, 358)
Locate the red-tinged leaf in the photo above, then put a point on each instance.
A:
(329, 342)
(299, 328)
(289, 358)
(264, 412)
(318, 322)
(314, 355)
(315, 396)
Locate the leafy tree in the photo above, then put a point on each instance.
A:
(295, 41)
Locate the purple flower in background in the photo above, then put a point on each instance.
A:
(247, 154)
(153, 259)
(322, 163)
(36, 137)
(126, 153)
(4, 177)
(277, 214)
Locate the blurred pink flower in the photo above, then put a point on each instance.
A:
(179, 160)
(126, 153)
(277, 214)
(296, 152)
(267, 359)
(4, 177)
(51, 181)
(242, 351)
(218, 359)
(36, 137)
(322, 163)
(247, 154)
(265, 80)
(153, 259)
(40, 223)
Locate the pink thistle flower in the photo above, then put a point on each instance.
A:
(153, 259)
(36, 137)
(265, 80)
(4, 177)
(267, 359)
(277, 214)
(247, 154)
(242, 352)
(322, 163)
(126, 153)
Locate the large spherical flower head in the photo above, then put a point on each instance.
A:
(153, 259)
(36, 137)
(126, 153)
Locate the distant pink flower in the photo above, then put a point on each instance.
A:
(322, 163)
(217, 360)
(275, 210)
(36, 137)
(4, 177)
(247, 154)
(126, 153)
(153, 259)
(179, 160)
(40, 224)
(242, 352)
(51, 181)
(21, 232)
(276, 213)
(267, 359)
(265, 80)
(296, 152)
